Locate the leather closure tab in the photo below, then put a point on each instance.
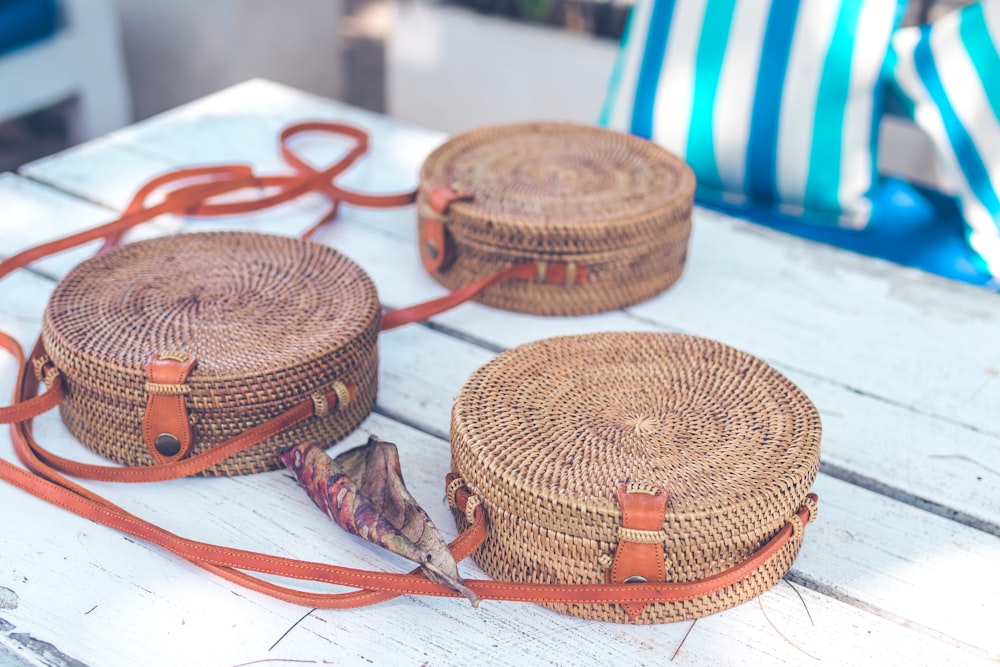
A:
(441, 197)
(166, 427)
(436, 246)
(639, 555)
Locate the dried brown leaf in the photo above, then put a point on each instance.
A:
(363, 491)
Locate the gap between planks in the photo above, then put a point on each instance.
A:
(795, 577)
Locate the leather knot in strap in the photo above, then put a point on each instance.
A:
(166, 428)
(639, 555)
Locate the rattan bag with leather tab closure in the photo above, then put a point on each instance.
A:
(578, 219)
(171, 346)
(637, 457)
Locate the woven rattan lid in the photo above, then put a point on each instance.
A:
(556, 185)
(549, 430)
(245, 304)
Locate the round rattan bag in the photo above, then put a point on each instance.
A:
(173, 345)
(603, 216)
(594, 455)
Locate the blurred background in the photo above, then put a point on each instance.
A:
(74, 69)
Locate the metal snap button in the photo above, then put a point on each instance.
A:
(635, 579)
(432, 249)
(167, 444)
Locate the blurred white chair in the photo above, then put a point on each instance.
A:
(81, 60)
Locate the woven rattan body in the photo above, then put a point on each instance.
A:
(614, 204)
(270, 319)
(545, 433)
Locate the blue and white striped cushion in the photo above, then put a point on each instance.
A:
(949, 75)
(774, 103)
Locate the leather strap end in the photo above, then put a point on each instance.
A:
(166, 427)
(639, 556)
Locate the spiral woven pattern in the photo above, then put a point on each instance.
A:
(556, 191)
(544, 434)
(270, 319)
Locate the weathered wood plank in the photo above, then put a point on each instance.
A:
(901, 335)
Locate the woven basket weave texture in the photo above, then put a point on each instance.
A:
(270, 319)
(553, 191)
(545, 433)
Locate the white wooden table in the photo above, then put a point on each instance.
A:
(902, 566)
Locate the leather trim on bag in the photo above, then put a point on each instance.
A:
(166, 427)
(639, 555)
(437, 248)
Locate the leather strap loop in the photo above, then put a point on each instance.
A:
(190, 192)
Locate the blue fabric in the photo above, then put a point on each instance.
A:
(961, 143)
(649, 74)
(24, 22)
(772, 103)
(700, 152)
(946, 74)
(776, 105)
(762, 165)
(912, 226)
